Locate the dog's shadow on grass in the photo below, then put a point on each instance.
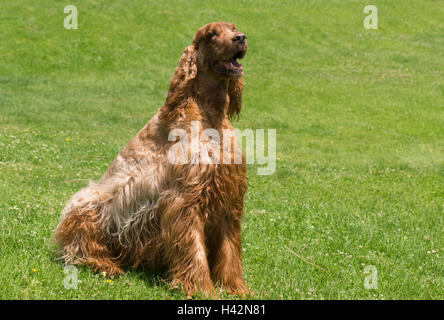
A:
(151, 279)
(159, 279)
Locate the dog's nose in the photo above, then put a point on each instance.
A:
(240, 37)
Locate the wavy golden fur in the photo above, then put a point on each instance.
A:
(146, 212)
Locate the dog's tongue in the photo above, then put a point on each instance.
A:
(236, 64)
(232, 64)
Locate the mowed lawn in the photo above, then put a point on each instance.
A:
(359, 121)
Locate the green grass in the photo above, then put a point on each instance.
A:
(360, 142)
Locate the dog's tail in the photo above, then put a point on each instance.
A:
(79, 233)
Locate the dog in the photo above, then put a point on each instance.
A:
(147, 212)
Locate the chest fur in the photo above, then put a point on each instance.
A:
(213, 171)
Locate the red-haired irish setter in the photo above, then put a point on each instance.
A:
(148, 212)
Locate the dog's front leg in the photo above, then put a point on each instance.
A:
(184, 248)
(225, 256)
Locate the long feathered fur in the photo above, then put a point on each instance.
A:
(147, 212)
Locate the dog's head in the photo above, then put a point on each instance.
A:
(219, 45)
(215, 51)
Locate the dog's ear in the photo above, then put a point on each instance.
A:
(187, 68)
(235, 87)
(184, 73)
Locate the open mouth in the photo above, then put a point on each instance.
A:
(231, 66)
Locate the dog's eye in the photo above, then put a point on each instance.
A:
(212, 34)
